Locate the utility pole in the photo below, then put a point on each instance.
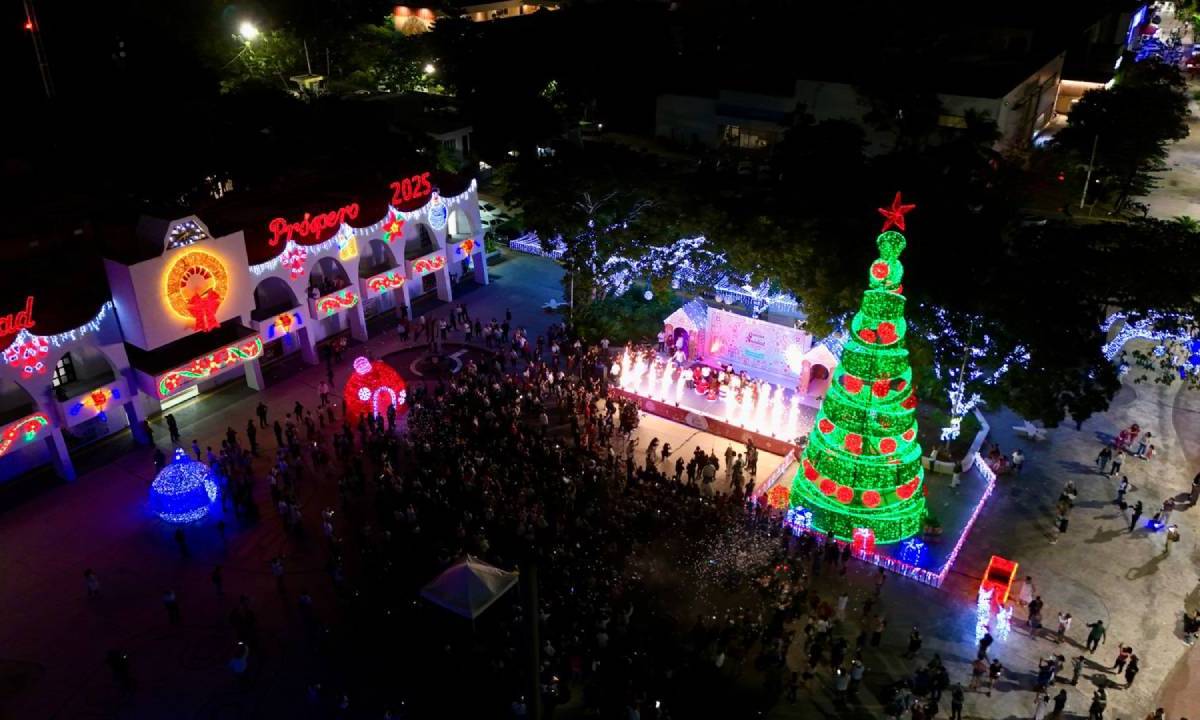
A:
(1088, 180)
(532, 618)
(35, 32)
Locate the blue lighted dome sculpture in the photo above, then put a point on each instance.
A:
(183, 491)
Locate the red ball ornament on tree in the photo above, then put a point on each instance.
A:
(845, 494)
(810, 472)
(880, 270)
(825, 426)
(867, 335)
(909, 434)
(880, 388)
(372, 388)
(828, 486)
(887, 333)
(906, 490)
(887, 445)
(901, 384)
(853, 443)
(871, 498)
(852, 384)
(909, 403)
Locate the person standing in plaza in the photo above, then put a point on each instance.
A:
(1116, 463)
(261, 411)
(914, 643)
(1096, 635)
(1028, 592)
(323, 392)
(1041, 706)
(1060, 703)
(1076, 669)
(956, 702)
(1018, 460)
(995, 670)
(171, 603)
(1064, 624)
(1035, 614)
(877, 629)
(1103, 458)
(1099, 703)
(842, 601)
(1143, 443)
(173, 428)
(1122, 488)
(1123, 653)
(1060, 526)
(252, 437)
(1191, 627)
(1137, 513)
(979, 670)
(1131, 670)
(985, 643)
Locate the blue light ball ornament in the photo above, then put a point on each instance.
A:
(183, 491)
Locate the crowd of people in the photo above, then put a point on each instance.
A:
(523, 460)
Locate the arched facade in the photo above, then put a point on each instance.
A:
(375, 257)
(328, 275)
(422, 240)
(273, 295)
(195, 305)
(459, 224)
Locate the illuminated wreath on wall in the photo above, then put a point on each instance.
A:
(196, 285)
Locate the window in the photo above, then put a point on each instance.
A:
(739, 137)
(64, 371)
(952, 121)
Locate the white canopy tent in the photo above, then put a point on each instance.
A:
(469, 587)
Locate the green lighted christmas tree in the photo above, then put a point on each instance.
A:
(862, 466)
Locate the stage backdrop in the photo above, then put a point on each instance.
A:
(756, 345)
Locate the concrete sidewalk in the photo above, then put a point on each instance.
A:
(1097, 571)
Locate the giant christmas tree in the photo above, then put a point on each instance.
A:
(862, 466)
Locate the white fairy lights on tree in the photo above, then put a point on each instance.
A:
(966, 361)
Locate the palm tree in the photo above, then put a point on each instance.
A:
(1187, 223)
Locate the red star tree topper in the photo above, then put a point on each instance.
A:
(894, 215)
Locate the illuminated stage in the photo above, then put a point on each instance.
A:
(774, 420)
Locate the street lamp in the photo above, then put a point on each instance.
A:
(429, 69)
(248, 31)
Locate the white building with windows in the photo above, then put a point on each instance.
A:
(193, 302)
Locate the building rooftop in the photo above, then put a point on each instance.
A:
(948, 48)
(421, 112)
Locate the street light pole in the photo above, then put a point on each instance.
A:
(35, 32)
(1088, 180)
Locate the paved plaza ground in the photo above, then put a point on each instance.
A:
(53, 638)
(1098, 571)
